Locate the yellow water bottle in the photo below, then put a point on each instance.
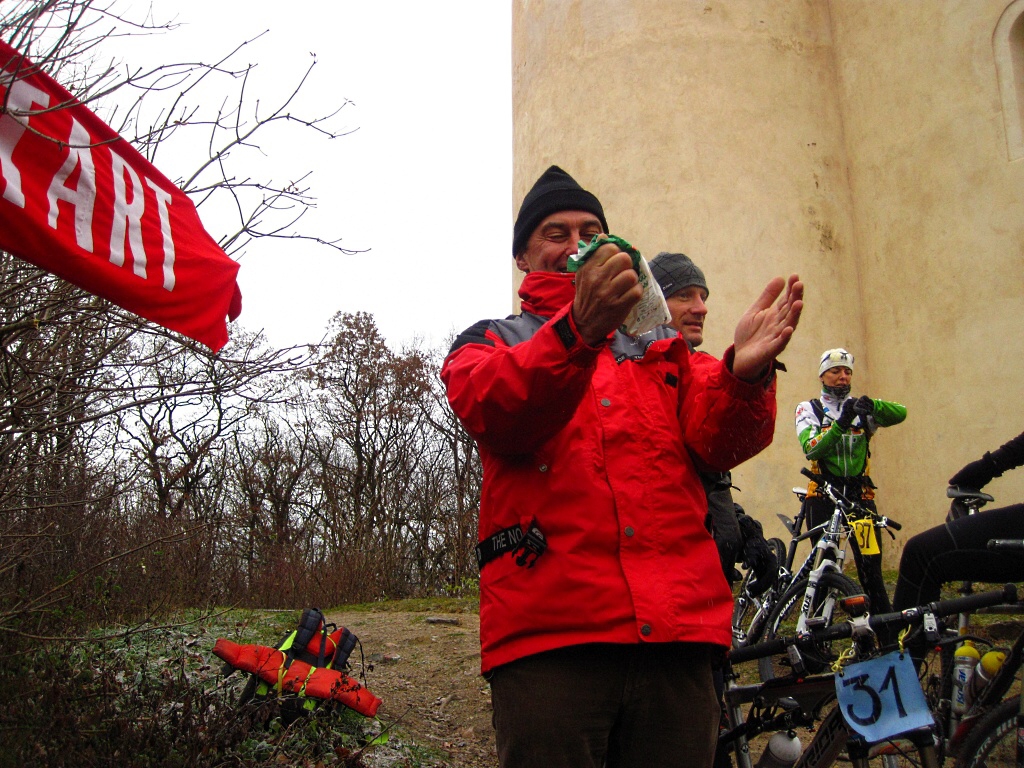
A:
(983, 673)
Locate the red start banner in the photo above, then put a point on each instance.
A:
(81, 202)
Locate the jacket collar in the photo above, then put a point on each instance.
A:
(832, 403)
(544, 293)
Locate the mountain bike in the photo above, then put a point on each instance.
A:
(810, 598)
(751, 611)
(809, 701)
(994, 726)
(955, 725)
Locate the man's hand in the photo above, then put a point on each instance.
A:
(766, 328)
(607, 287)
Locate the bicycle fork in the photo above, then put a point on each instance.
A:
(813, 582)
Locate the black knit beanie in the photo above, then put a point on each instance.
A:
(675, 271)
(554, 191)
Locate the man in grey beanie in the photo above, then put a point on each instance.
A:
(686, 291)
(600, 608)
(738, 536)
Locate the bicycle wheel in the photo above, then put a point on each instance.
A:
(993, 741)
(782, 622)
(746, 608)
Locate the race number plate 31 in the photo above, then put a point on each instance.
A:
(882, 698)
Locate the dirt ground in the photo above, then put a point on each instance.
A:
(426, 670)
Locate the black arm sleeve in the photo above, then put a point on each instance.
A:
(1009, 455)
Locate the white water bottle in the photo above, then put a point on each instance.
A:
(783, 751)
(964, 661)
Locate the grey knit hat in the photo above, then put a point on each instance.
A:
(554, 191)
(675, 271)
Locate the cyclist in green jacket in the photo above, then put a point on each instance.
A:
(835, 430)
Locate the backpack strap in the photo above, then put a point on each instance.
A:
(310, 624)
(346, 644)
(819, 410)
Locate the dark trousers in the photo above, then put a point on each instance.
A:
(620, 706)
(958, 551)
(869, 567)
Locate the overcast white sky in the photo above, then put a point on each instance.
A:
(424, 183)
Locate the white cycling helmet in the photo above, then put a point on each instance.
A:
(833, 358)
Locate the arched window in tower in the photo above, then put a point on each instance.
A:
(1008, 43)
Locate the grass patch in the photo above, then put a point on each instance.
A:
(158, 697)
(417, 605)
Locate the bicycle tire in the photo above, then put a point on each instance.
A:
(744, 612)
(992, 743)
(831, 587)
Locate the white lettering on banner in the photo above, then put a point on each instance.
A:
(20, 98)
(129, 190)
(83, 197)
(163, 199)
(127, 216)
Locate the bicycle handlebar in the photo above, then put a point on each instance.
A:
(908, 617)
(1006, 545)
(807, 473)
(823, 481)
(830, 489)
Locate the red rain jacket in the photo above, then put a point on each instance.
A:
(598, 445)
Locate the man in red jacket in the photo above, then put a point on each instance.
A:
(601, 600)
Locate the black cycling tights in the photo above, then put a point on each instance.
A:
(958, 551)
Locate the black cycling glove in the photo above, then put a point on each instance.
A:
(977, 474)
(847, 415)
(757, 556)
(864, 406)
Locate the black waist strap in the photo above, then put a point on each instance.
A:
(512, 539)
(849, 485)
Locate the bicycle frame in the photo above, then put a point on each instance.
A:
(990, 697)
(797, 702)
(836, 531)
(834, 539)
(955, 726)
(780, 704)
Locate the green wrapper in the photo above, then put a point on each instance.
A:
(648, 313)
(587, 250)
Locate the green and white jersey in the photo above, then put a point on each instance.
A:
(838, 452)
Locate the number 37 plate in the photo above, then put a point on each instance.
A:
(882, 698)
